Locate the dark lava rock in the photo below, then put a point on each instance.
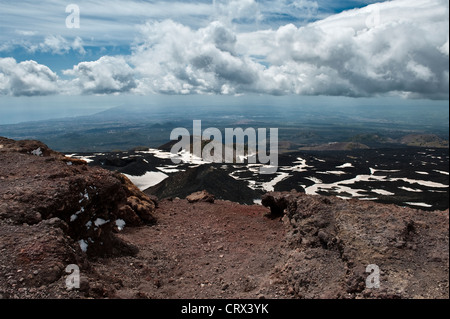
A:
(213, 180)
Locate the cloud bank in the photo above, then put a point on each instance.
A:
(108, 75)
(27, 78)
(390, 48)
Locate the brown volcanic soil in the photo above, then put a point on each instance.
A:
(202, 251)
(319, 249)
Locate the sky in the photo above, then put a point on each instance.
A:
(356, 49)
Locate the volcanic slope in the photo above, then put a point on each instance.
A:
(209, 178)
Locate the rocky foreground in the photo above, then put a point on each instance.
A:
(333, 241)
(56, 211)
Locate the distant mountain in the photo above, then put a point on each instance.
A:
(424, 140)
(213, 180)
(150, 125)
(372, 140)
(344, 146)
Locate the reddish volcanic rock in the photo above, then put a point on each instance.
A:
(52, 208)
(39, 184)
(333, 241)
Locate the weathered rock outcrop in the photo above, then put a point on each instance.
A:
(54, 208)
(202, 197)
(139, 208)
(333, 241)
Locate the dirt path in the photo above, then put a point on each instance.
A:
(221, 250)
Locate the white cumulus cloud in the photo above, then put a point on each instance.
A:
(342, 55)
(401, 51)
(397, 47)
(59, 45)
(27, 78)
(175, 59)
(108, 75)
